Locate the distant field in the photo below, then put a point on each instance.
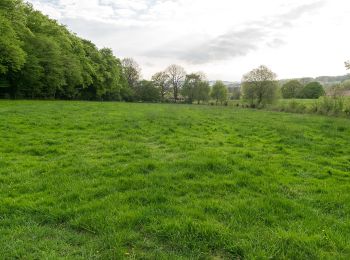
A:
(302, 101)
(88, 180)
(284, 101)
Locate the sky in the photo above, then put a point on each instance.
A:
(222, 38)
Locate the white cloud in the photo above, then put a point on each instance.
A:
(224, 38)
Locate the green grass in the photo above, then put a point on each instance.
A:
(85, 180)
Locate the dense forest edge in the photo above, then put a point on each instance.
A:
(42, 59)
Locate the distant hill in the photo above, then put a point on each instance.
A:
(324, 80)
(227, 83)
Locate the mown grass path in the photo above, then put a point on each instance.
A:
(88, 180)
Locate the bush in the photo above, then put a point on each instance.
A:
(331, 106)
(295, 107)
(347, 109)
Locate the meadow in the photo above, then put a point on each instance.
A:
(90, 180)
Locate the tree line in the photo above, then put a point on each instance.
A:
(41, 58)
(173, 85)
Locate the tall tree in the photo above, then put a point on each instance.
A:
(12, 55)
(132, 71)
(190, 87)
(112, 75)
(176, 75)
(196, 88)
(161, 81)
(219, 92)
(203, 92)
(347, 65)
(259, 86)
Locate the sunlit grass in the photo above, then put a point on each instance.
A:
(85, 180)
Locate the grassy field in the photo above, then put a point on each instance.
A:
(85, 180)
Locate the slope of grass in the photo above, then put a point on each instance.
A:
(82, 180)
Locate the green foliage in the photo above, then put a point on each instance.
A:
(259, 86)
(346, 84)
(291, 89)
(195, 88)
(331, 105)
(161, 81)
(334, 104)
(189, 87)
(312, 90)
(203, 92)
(42, 59)
(12, 56)
(147, 91)
(88, 180)
(219, 92)
(132, 72)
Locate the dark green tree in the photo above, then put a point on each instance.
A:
(190, 87)
(147, 91)
(312, 90)
(195, 88)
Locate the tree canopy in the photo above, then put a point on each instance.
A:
(196, 88)
(259, 86)
(291, 89)
(219, 92)
(43, 59)
(161, 81)
(176, 76)
(312, 90)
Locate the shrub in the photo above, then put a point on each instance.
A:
(347, 109)
(331, 106)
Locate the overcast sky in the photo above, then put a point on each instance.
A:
(223, 38)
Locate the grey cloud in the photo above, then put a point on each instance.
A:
(275, 43)
(287, 19)
(236, 43)
(229, 45)
(89, 29)
(301, 10)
